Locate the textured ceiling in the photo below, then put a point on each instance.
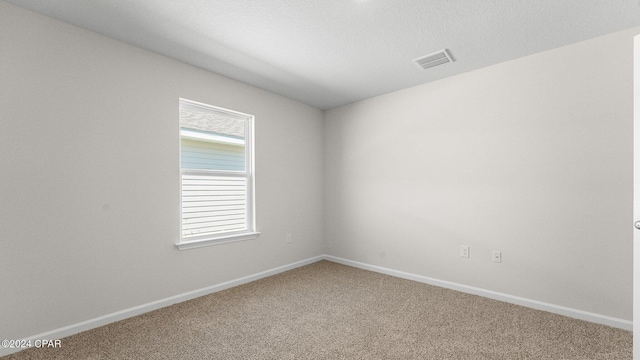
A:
(328, 53)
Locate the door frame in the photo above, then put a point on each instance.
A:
(636, 197)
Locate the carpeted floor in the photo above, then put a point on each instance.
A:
(330, 311)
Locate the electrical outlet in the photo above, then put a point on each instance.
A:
(288, 240)
(497, 256)
(464, 251)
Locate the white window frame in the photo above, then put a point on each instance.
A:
(250, 232)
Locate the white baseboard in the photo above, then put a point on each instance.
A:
(539, 305)
(141, 309)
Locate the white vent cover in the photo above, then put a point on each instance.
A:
(435, 59)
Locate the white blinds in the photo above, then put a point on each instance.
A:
(213, 204)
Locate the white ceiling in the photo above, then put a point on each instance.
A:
(328, 53)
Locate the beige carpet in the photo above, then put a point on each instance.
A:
(330, 311)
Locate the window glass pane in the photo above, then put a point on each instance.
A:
(210, 155)
(211, 139)
(211, 121)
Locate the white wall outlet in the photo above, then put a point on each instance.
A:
(464, 251)
(497, 256)
(288, 239)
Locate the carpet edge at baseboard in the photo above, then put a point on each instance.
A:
(144, 308)
(534, 304)
(155, 305)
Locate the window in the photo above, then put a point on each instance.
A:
(216, 165)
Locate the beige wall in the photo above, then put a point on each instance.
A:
(89, 175)
(532, 157)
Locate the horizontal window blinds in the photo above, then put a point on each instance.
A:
(213, 204)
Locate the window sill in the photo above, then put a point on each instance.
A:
(192, 244)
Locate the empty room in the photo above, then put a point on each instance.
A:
(344, 179)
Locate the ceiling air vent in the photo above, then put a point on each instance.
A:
(435, 59)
